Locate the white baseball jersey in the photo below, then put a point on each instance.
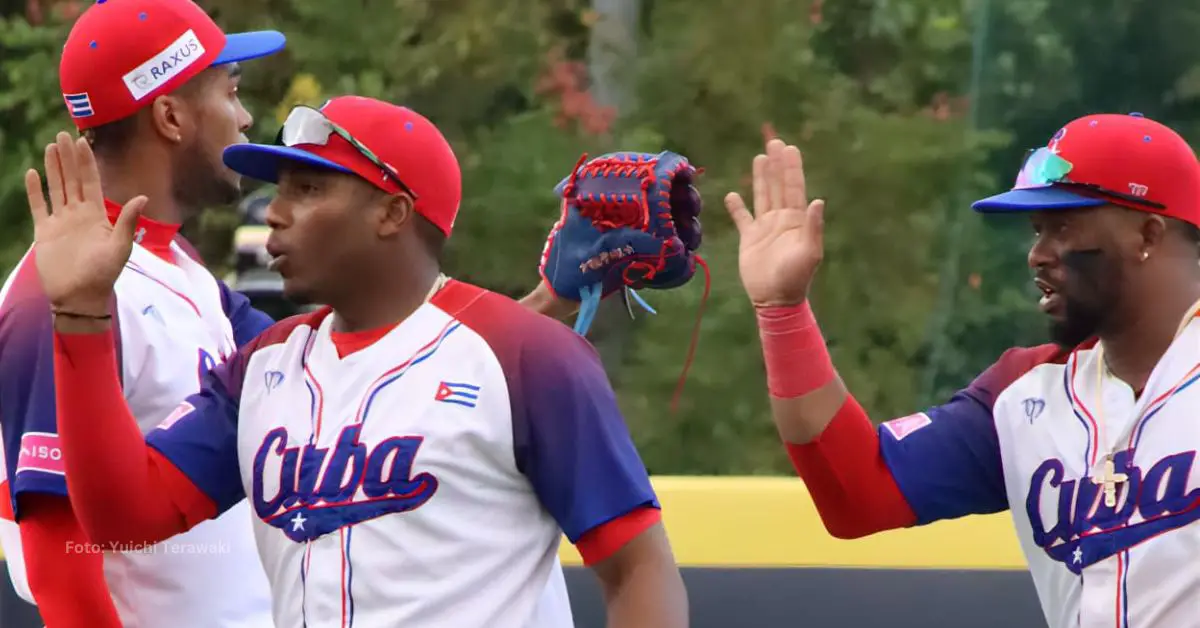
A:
(423, 480)
(175, 322)
(1033, 434)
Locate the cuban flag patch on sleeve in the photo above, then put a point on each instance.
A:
(461, 394)
(80, 105)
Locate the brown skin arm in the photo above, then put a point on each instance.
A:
(542, 301)
(802, 419)
(642, 584)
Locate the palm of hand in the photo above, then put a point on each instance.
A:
(79, 253)
(781, 244)
(775, 258)
(76, 259)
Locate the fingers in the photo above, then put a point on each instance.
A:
(814, 228)
(89, 174)
(738, 212)
(762, 201)
(775, 169)
(768, 132)
(126, 223)
(54, 179)
(69, 158)
(37, 199)
(795, 195)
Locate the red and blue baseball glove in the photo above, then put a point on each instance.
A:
(629, 221)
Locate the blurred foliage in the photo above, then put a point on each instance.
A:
(905, 111)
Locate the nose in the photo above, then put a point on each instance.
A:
(277, 215)
(245, 119)
(1041, 253)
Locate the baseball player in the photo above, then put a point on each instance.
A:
(1089, 441)
(153, 84)
(412, 452)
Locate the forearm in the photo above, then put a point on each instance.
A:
(117, 486)
(831, 442)
(804, 388)
(65, 571)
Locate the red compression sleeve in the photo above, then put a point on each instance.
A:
(850, 483)
(66, 573)
(794, 351)
(122, 491)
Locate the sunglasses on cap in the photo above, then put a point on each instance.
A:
(1043, 167)
(306, 125)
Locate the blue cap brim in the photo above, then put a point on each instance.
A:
(244, 46)
(262, 161)
(1035, 199)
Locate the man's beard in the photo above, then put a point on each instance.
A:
(199, 184)
(1090, 294)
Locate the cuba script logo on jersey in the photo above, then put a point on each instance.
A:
(309, 491)
(164, 66)
(1085, 529)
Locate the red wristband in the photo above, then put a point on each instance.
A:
(794, 351)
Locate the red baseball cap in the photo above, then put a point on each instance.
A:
(1126, 160)
(392, 147)
(122, 54)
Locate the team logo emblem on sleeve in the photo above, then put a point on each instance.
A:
(179, 412)
(902, 427)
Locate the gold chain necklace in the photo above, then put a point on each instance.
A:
(1111, 480)
(438, 284)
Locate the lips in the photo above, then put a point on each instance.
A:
(278, 256)
(1050, 297)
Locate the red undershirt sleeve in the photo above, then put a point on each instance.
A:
(122, 491)
(66, 573)
(598, 544)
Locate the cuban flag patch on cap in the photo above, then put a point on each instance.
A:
(462, 394)
(79, 105)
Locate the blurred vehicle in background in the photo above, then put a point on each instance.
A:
(250, 274)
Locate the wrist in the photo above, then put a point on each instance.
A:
(794, 351)
(66, 324)
(83, 317)
(792, 314)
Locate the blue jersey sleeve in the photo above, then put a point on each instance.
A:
(946, 460)
(28, 415)
(570, 438)
(247, 322)
(200, 436)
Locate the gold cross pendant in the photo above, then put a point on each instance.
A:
(1110, 481)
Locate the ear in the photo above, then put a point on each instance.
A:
(172, 118)
(1152, 233)
(396, 211)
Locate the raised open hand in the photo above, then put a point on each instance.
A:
(79, 252)
(781, 243)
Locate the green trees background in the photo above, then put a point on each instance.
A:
(905, 111)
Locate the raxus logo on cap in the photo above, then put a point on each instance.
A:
(164, 66)
(121, 54)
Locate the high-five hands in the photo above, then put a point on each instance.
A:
(781, 243)
(79, 252)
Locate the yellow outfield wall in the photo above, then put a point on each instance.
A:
(731, 521)
(724, 521)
